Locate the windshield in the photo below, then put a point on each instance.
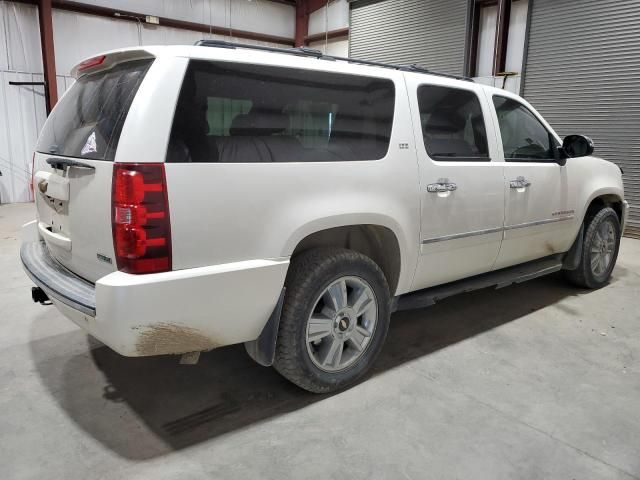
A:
(88, 120)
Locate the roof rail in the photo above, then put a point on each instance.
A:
(311, 52)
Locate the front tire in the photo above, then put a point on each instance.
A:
(334, 320)
(599, 251)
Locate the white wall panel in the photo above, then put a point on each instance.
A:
(19, 38)
(22, 108)
(99, 34)
(337, 47)
(336, 17)
(259, 16)
(22, 114)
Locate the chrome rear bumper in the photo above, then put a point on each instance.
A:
(57, 282)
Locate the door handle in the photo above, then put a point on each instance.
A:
(519, 182)
(441, 187)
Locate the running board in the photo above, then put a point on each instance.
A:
(498, 279)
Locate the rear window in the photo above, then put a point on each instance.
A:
(238, 113)
(88, 120)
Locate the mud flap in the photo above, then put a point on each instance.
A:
(263, 349)
(574, 255)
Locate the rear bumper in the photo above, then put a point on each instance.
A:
(57, 282)
(164, 313)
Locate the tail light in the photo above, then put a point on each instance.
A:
(140, 218)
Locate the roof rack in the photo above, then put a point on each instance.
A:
(312, 52)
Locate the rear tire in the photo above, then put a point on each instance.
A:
(334, 320)
(599, 250)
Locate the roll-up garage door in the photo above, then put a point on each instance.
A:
(431, 33)
(583, 74)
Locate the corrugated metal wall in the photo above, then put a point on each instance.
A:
(583, 74)
(431, 33)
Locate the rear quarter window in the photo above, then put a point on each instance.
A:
(88, 120)
(240, 113)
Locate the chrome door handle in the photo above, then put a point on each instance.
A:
(520, 182)
(441, 187)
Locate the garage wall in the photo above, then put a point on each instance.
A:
(22, 108)
(336, 47)
(250, 15)
(78, 36)
(335, 17)
(431, 33)
(583, 76)
(107, 34)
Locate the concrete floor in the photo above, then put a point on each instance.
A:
(534, 381)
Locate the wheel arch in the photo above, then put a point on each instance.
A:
(604, 199)
(379, 242)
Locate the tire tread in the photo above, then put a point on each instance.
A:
(300, 281)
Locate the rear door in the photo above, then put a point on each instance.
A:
(74, 164)
(462, 196)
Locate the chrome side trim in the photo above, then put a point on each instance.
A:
(461, 235)
(538, 222)
(494, 230)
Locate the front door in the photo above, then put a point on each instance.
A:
(462, 195)
(539, 206)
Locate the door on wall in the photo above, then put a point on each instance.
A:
(592, 88)
(462, 194)
(431, 33)
(497, 42)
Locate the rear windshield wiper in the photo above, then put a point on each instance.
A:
(60, 163)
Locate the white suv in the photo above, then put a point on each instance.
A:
(191, 197)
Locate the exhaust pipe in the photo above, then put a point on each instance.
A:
(38, 296)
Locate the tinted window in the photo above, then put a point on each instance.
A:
(523, 136)
(230, 112)
(452, 124)
(88, 120)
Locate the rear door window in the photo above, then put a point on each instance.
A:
(88, 120)
(239, 113)
(452, 124)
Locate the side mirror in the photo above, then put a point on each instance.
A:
(577, 146)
